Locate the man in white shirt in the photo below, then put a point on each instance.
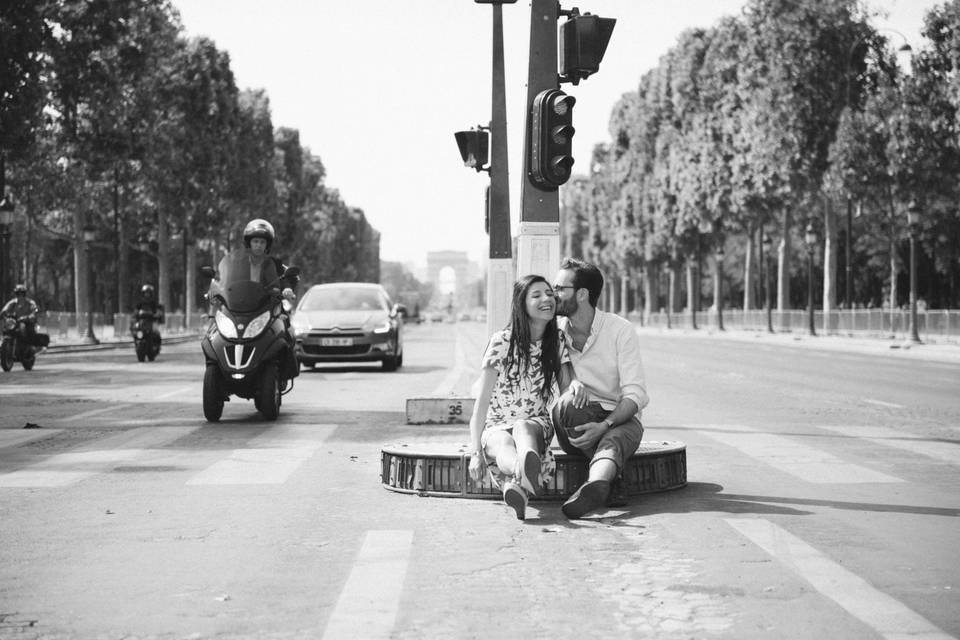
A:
(605, 352)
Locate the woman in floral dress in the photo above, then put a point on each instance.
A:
(523, 367)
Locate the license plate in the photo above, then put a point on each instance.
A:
(336, 342)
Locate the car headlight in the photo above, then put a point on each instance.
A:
(383, 328)
(225, 325)
(300, 325)
(257, 325)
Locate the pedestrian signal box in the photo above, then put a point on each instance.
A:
(551, 139)
(474, 148)
(583, 41)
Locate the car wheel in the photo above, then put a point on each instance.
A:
(390, 363)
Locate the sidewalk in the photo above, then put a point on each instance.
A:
(74, 342)
(939, 351)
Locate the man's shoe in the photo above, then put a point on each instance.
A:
(530, 472)
(516, 498)
(618, 497)
(590, 496)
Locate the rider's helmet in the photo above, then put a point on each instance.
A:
(147, 291)
(20, 289)
(258, 228)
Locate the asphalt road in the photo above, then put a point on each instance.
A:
(822, 503)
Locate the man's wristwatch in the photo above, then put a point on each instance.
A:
(608, 422)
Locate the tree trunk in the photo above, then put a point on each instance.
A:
(189, 276)
(693, 280)
(650, 290)
(81, 270)
(783, 265)
(893, 280)
(163, 262)
(625, 296)
(748, 289)
(829, 265)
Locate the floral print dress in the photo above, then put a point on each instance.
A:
(516, 394)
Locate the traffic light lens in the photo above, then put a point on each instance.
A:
(560, 107)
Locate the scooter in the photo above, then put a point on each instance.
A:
(18, 345)
(146, 339)
(248, 346)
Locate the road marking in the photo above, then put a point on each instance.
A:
(370, 599)
(65, 469)
(888, 616)
(885, 436)
(16, 437)
(271, 457)
(881, 403)
(799, 460)
(175, 392)
(449, 383)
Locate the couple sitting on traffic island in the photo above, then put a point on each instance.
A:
(582, 375)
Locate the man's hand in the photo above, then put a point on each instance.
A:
(288, 294)
(590, 434)
(578, 394)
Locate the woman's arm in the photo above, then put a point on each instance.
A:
(488, 377)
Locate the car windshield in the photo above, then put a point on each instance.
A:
(234, 284)
(343, 299)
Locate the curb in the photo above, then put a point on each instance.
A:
(115, 344)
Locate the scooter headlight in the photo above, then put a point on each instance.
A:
(139, 335)
(225, 325)
(257, 325)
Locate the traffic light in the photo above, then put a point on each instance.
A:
(583, 41)
(551, 140)
(474, 147)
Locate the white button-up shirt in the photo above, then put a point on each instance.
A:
(609, 366)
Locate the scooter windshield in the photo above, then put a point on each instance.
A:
(235, 285)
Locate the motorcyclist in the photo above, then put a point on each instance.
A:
(148, 307)
(23, 309)
(258, 237)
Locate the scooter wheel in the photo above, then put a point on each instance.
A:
(28, 362)
(269, 392)
(212, 393)
(6, 357)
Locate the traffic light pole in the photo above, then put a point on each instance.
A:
(538, 249)
(500, 265)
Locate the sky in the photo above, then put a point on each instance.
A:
(377, 89)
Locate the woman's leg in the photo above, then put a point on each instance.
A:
(528, 436)
(501, 448)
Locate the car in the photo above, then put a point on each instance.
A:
(348, 322)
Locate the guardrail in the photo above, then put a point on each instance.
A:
(879, 323)
(63, 326)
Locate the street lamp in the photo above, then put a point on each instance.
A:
(810, 238)
(89, 235)
(913, 224)
(6, 220)
(765, 246)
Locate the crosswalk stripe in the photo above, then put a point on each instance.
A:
(888, 616)
(802, 461)
(269, 458)
(885, 436)
(370, 599)
(68, 468)
(14, 438)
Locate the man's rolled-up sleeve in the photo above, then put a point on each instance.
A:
(633, 383)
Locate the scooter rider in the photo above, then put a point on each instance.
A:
(23, 309)
(148, 305)
(258, 237)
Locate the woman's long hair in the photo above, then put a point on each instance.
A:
(518, 355)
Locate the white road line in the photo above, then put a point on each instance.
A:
(370, 599)
(16, 437)
(799, 460)
(449, 383)
(887, 437)
(881, 403)
(888, 616)
(175, 392)
(91, 413)
(64, 469)
(271, 457)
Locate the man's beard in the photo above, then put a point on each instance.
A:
(567, 307)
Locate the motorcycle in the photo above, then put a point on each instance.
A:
(19, 345)
(248, 347)
(146, 339)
